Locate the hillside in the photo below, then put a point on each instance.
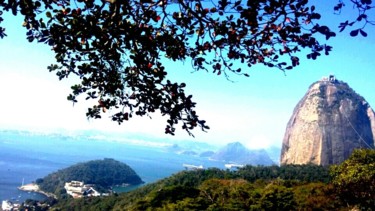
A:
(287, 187)
(245, 188)
(102, 173)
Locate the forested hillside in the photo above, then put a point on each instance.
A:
(102, 173)
(349, 185)
(221, 189)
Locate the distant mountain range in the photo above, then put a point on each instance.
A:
(232, 153)
(239, 154)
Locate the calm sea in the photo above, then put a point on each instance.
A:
(25, 157)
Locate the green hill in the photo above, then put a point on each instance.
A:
(104, 174)
(215, 189)
(349, 185)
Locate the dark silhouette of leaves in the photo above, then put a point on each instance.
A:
(354, 33)
(363, 33)
(117, 48)
(363, 7)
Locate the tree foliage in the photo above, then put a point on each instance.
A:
(221, 194)
(251, 188)
(363, 18)
(215, 189)
(321, 196)
(354, 179)
(104, 174)
(118, 48)
(288, 187)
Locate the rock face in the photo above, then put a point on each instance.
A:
(327, 124)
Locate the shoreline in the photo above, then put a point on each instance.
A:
(32, 187)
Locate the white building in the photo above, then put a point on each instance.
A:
(92, 192)
(78, 189)
(7, 206)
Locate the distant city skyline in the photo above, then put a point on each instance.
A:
(253, 111)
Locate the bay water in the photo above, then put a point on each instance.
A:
(25, 157)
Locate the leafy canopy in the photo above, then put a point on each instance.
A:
(117, 48)
(104, 174)
(249, 188)
(354, 179)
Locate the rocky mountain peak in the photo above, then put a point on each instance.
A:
(327, 124)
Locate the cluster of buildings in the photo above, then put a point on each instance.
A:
(8, 205)
(78, 189)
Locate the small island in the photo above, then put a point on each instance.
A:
(92, 178)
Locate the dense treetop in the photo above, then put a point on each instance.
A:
(118, 48)
(354, 179)
(249, 188)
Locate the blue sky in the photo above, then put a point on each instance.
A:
(253, 111)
